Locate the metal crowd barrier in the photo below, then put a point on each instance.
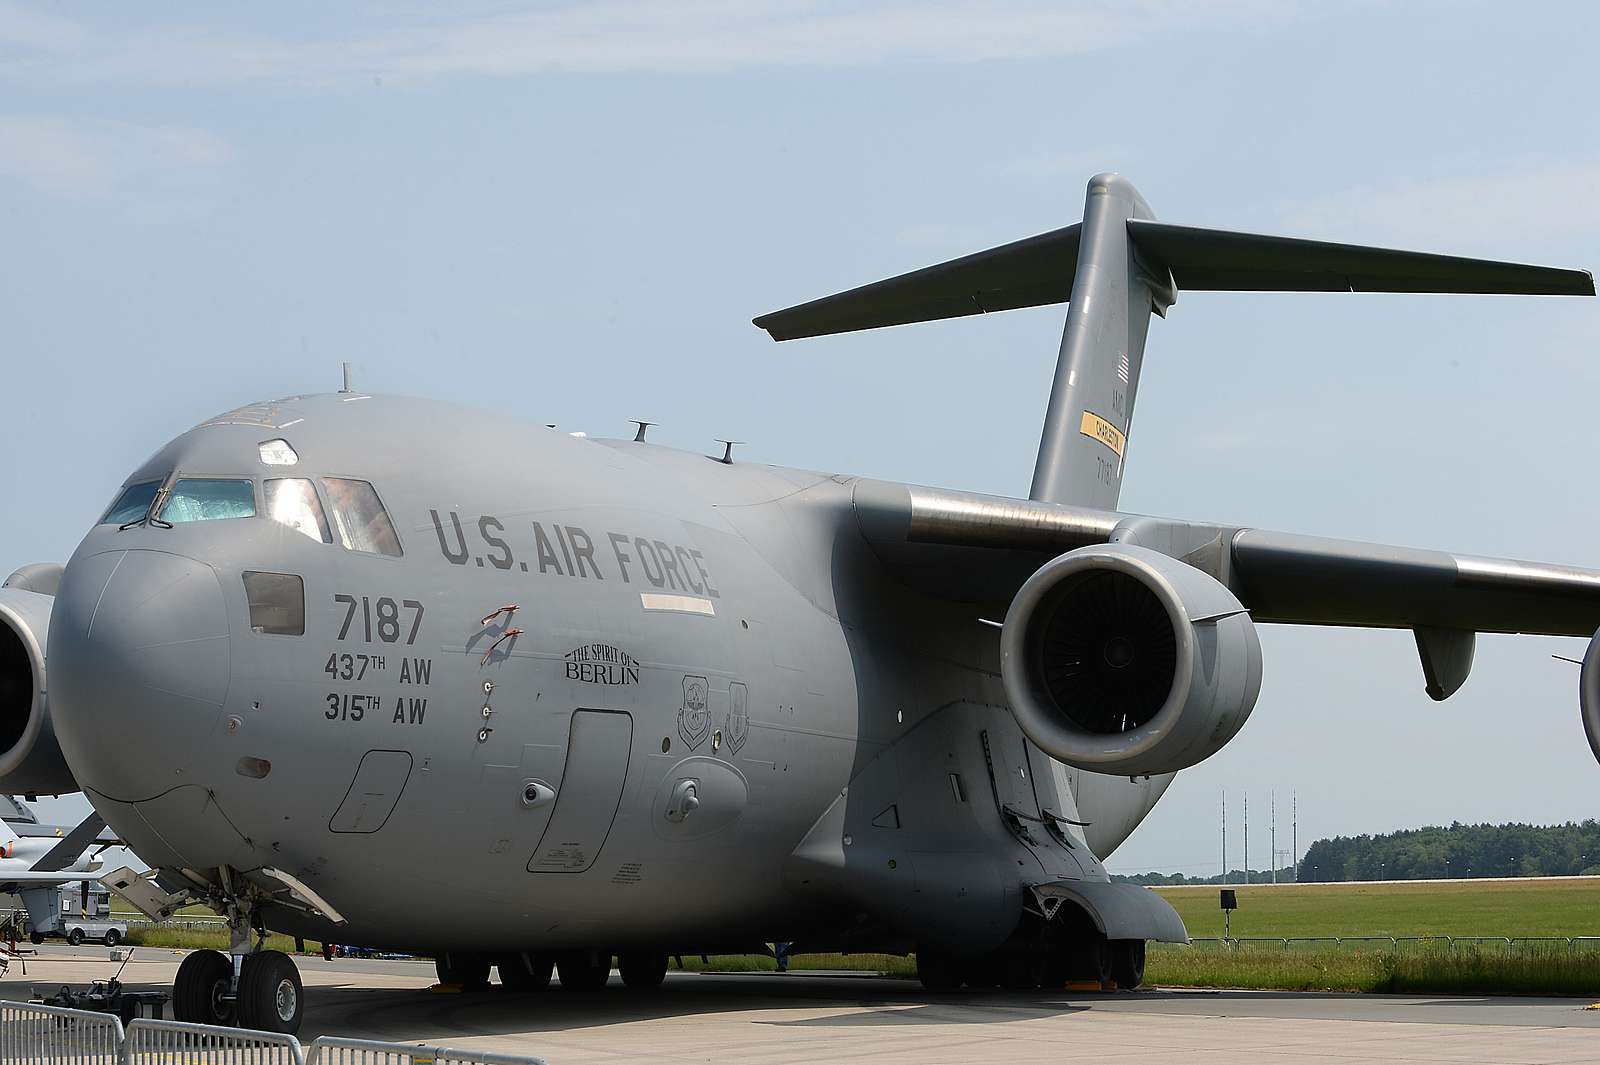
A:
(181, 1043)
(48, 1035)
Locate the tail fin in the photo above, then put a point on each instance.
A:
(1116, 268)
(1114, 292)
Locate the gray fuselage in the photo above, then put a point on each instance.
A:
(854, 775)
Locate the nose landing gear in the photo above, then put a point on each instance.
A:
(249, 986)
(268, 995)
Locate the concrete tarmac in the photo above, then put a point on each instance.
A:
(768, 1017)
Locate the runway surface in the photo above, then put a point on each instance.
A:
(769, 1017)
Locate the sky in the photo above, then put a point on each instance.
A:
(571, 213)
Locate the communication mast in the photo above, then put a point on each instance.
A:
(1224, 835)
(1294, 832)
(1272, 833)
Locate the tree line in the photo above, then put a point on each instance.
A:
(1436, 852)
(1457, 851)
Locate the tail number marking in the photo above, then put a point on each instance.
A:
(381, 617)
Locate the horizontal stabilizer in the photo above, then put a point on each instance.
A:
(1220, 260)
(70, 849)
(1040, 270)
(1033, 272)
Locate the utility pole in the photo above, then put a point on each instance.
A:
(1224, 835)
(1272, 833)
(1247, 837)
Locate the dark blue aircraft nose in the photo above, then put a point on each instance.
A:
(138, 667)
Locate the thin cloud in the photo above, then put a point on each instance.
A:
(1486, 211)
(82, 160)
(619, 36)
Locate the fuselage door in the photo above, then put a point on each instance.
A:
(590, 790)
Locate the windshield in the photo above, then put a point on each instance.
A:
(362, 522)
(293, 502)
(131, 504)
(209, 499)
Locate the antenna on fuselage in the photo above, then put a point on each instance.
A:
(345, 366)
(638, 438)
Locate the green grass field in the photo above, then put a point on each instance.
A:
(1514, 908)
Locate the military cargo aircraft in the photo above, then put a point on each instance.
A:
(38, 861)
(392, 672)
(48, 855)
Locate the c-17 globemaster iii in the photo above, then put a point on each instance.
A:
(392, 672)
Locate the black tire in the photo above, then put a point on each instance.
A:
(1055, 970)
(984, 970)
(583, 970)
(642, 971)
(1093, 961)
(113, 937)
(939, 971)
(75, 937)
(36, 938)
(1127, 963)
(1022, 971)
(198, 989)
(271, 996)
(524, 971)
(470, 972)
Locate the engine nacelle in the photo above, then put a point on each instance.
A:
(30, 760)
(1122, 660)
(1589, 695)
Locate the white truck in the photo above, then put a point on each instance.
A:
(81, 912)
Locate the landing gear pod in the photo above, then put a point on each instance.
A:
(1122, 660)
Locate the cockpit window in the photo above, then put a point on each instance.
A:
(362, 522)
(277, 602)
(208, 499)
(131, 504)
(293, 502)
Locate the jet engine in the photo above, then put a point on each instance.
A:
(1121, 660)
(30, 760)
(1589, 694)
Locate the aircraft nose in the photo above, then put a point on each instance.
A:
(138, 666)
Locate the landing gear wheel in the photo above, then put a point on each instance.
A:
(469, 971)
(939, 971)
(1021, 972)
(642, 972)
(583, 970)
(75, 937)
(271, 997)
(113, 937)
(199, 988)
(36, 938)
(1091, 961)
(523, 972)
(984, 970)
(1055, 970)
(1127, 963)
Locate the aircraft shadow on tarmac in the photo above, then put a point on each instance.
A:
(416, 1014)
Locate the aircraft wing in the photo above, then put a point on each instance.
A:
(979, 549)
